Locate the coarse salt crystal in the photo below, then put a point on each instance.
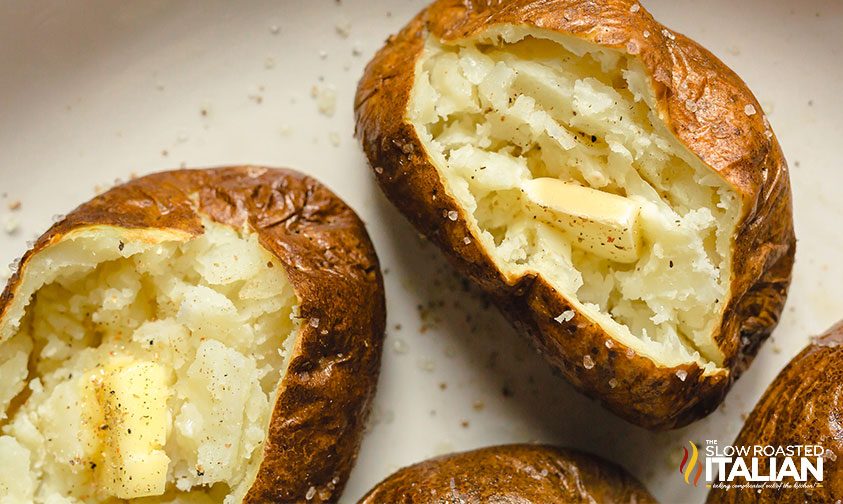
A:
(635, 8)
(646, 34)
(668, 34)
(630, 353)
(311, 492)
(426, 364)
(565, 316)
(587, 362)
(343, 29)
(11, 225)
(453, 215)
(378, 170)
(466, 240)
(613, 383)
(326, 100)
(609, 343)
(682, 374)
(749, 110)
(314, 322)
(399, 346)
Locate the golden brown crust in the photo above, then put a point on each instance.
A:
(800, 407)
(739, 146)
(510, 474)
(318, 418)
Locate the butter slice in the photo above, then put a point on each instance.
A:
(133, 401)
(604, 224)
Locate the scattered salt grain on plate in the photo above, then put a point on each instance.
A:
(326, 100)
(343, 29)
(11, 225)
(399, 346)
(426, 364)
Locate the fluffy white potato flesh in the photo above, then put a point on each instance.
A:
(554, 149)
(142, 367)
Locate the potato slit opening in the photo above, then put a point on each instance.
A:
(143, 366)
(641, 241)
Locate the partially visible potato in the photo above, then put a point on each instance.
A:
(511, 474)
(610, 184)
(194, 336)
(803, 406)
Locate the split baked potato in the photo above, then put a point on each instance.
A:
(802, 407)
(513, 473)
(610, 184)
(191, 336)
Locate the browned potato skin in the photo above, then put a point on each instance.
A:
(800, 407)
(318, 417)
(510, 474)
(719, 132)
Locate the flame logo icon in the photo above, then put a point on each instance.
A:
(686, 467)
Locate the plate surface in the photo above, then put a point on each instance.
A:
(92, 91)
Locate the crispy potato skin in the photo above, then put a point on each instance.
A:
(800, 407)
(318, 417)
(510, 474)
(741, 148)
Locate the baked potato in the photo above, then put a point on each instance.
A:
(191, 336)
(803, 406)
(513, 473)
(610, 184)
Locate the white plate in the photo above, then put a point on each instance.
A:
(92, 91)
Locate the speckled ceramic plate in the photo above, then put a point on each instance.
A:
(92, 91)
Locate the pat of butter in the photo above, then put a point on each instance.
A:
(601, 223)
(132, 400)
